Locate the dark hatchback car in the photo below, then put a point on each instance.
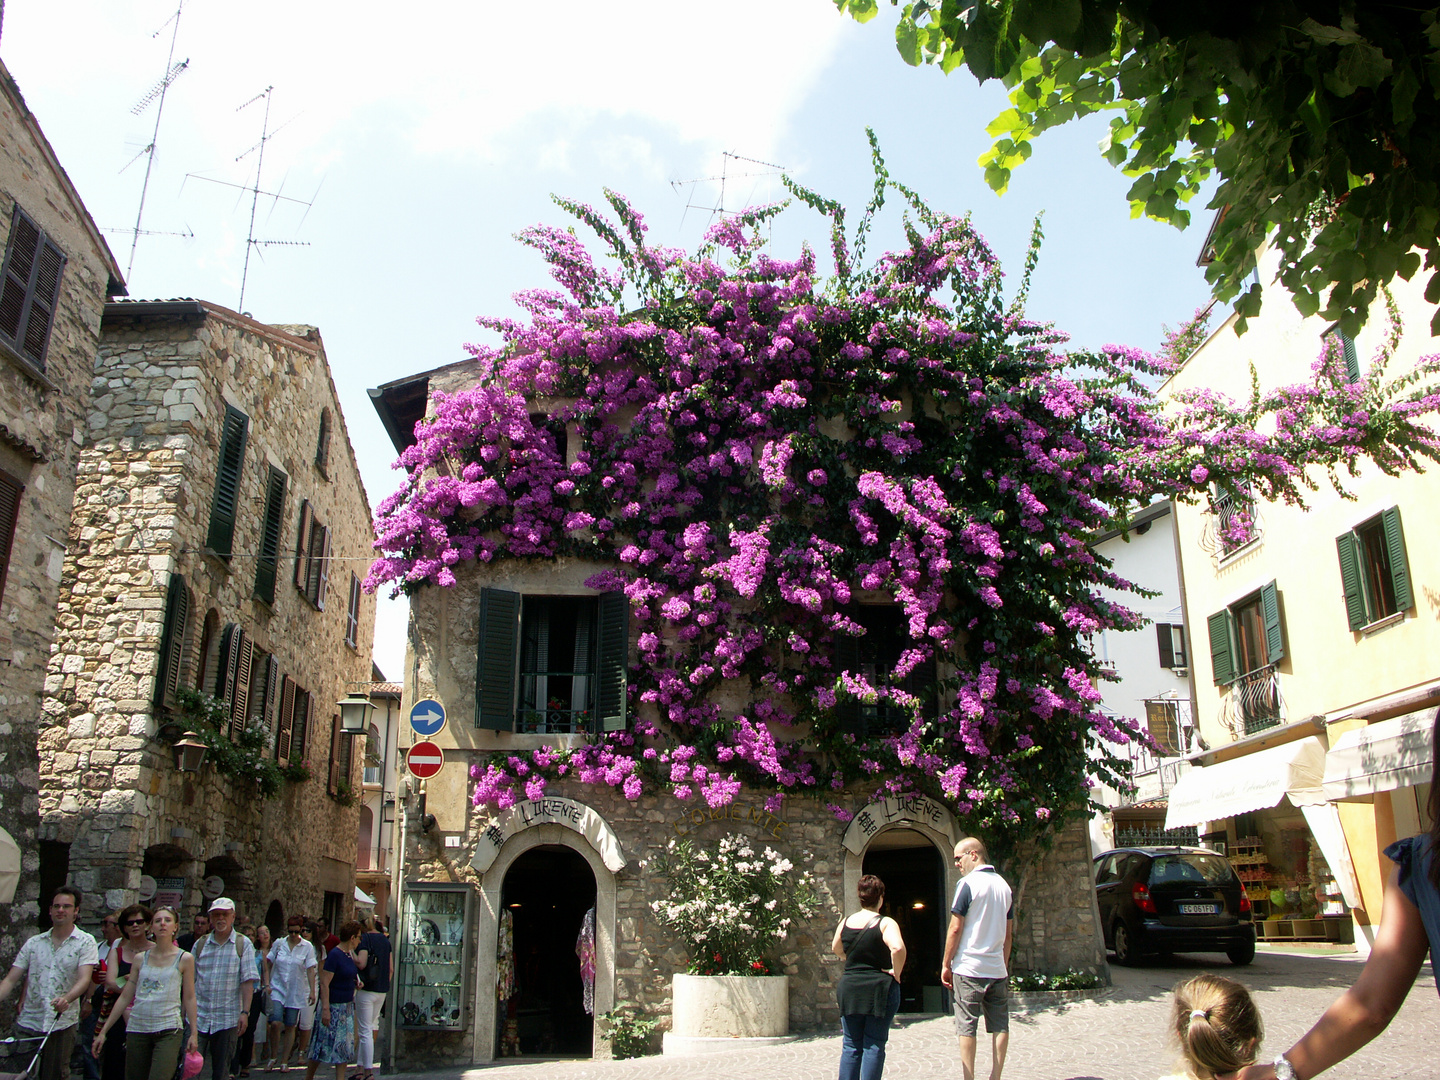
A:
(1172, 899)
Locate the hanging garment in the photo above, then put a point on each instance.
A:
(585, 950)
(505, 958)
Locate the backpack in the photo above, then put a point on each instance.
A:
(199, 946)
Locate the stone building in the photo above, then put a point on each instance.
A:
(486, 895)
(374, 844)
(219, 539)
(57, 273)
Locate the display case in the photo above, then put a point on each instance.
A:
(434, 957)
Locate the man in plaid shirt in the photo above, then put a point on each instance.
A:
(224, 983)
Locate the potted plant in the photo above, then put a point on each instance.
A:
(732, 906)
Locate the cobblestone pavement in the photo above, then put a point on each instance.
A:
(1119, 1036)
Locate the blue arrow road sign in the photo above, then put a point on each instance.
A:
(427, 717)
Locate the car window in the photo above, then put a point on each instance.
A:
(1125, 864)
(1104, 869)
(1194, 868)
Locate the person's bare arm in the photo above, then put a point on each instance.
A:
(117, 1011)
(1367, 1008)
(77, 989)
(187, 996)
(835, 945)
(14, 977)
(890, 931)
(952, 946)
(1009, 941)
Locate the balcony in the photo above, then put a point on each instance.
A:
(373, 775)
(1254, 703)
(372, 859)
(1232, 523)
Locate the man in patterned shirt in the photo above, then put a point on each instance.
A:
(224, 983)
(56, 966)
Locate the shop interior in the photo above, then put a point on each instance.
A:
(914, 876)
(546, 1008)
(1294, 895)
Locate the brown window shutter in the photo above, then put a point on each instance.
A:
(302, 546)
(11, 489)
(240, 699)
(300, 733)
(286, 721)
(322, 584)
(335, 737)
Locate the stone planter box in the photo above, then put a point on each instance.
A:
(719, 1012)
(1027, 1001)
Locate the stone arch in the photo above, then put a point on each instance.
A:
(488, 929)
(915, 813)
(275, 919)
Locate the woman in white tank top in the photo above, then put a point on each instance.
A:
(161, 984)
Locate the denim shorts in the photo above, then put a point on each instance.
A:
(277, 1013)
(974, 996)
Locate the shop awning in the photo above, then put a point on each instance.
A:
(1254, 782)
(364, 898)
(9, 867)
(1382, 757)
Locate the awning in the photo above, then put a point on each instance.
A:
(1382, 757)
(1253, 782)
(9, 867)
(362, 897)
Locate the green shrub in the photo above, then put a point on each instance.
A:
(629, 1032)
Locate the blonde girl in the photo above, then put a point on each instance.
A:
(1217, 1026)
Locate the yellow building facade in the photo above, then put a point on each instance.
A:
(1315, 641)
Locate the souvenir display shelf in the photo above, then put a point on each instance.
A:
(434, 957)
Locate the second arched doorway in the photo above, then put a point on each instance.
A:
(548, 900)
(915, 897)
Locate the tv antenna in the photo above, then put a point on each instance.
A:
(256, 191)
(154, 96)
(718, 210)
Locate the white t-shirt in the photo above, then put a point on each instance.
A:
(983, 901)
(289, 985)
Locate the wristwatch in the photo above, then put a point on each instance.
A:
(1283, 1069)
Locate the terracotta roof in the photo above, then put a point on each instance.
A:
(386, 689)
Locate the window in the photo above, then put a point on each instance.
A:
(342, 758)
(172, 642)
(268, 564)
(1337, 337)
(221, 537)
(1171, 637)
(292, 728)
(1374, 570)
(1234, 518)
(1247, 640)
(352, 613)
(232, 684)
(264, 676)
(10, 491)
(322, 445)
(552, 663)
(374, 762)
(30, 290)
(312, 557)
(874, 657)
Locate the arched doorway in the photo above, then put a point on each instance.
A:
(546, 894)
(910, 865)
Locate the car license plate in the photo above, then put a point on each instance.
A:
(1199, 909)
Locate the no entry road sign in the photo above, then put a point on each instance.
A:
(424, 760)
(427, 717)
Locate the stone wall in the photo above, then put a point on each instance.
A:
(146, 479)
(1057, 923)
(42, 420)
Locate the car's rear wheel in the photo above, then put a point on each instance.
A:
(1125, 954)
(1241, 954)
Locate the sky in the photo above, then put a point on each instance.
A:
(417, 141)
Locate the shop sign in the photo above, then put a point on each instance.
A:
(911, 810)
(555, 810)
(169, 892)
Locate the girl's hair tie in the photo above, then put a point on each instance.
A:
(1198, 1014)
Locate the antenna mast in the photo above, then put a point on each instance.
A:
(155, 93)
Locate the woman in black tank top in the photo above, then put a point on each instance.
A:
(869, 994)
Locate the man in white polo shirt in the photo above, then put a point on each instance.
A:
(977, 955)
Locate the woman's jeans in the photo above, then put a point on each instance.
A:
(862, 1050)
(367, 1015)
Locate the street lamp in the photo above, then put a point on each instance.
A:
(190, 752)
(355, 710)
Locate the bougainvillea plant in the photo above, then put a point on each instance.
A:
(757, 451)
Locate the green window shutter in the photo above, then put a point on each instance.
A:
(269, 562)
(172, 642)
(221, 538)
(1352, 361)
(1399, 564)
(849, 713)
(1166, 640)
(614, 661)
(1348, 547)
(1274, 631)
(1222, 654)
(495, 664)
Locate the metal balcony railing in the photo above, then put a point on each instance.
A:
(568, 707)
(1233, 522)
(1253, 703)
(374, 774)
(375, 859)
